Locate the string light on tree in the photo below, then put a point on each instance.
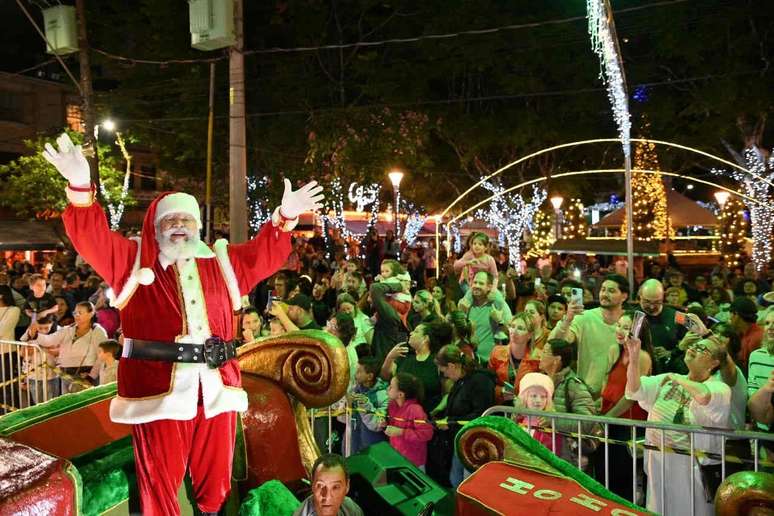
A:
(258, 204)
(116, 209)
(761, 165)
(574, 220)
(649, 209)
(733, 228)
(510, 214)
(542, 234)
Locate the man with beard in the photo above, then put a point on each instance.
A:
(593, 331)
(488, 313)
(179, 384)
(668, 358)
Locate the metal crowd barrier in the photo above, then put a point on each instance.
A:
(601, 421)
(23, 375)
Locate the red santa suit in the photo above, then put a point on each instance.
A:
(184, 414)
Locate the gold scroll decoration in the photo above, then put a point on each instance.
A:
(310, 365)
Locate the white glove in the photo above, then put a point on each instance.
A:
(306, 198)
(69, 161)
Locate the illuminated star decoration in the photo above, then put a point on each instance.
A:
(603, 43)
(761, 212)
(510, 215)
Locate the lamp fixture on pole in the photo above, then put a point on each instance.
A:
(395, 178)
(556, 202)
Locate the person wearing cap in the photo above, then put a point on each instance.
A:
(181, 396)
(297, 315)
(744, 315)
(556, 307)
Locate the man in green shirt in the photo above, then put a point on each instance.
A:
(593, 331)
(487, 313)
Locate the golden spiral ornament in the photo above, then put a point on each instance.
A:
(480, 446)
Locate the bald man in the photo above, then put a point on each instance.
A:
(666, 334)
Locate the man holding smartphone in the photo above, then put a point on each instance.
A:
(593, 331)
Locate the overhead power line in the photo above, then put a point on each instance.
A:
(391, 41)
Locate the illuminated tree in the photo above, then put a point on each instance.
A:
(649, 209)
(733, 228)
(574, 225)
(542, 235)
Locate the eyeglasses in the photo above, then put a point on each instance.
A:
(698, 347)
(651, 302)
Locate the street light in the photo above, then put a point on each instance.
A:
(107, 124)
(556, 202)
(395, 178)
(722, 196)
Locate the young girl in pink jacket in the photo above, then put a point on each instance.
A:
(409, 430)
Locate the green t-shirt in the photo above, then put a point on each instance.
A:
(594, 338)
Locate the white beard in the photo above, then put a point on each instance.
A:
(181, 249)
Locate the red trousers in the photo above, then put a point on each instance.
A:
(164, 449)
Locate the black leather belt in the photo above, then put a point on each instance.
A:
(214, 352)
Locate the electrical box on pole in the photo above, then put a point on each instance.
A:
(211, 23)
(61, 29)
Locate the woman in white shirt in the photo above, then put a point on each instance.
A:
(697, 398)
(9, 357)
(75, 346)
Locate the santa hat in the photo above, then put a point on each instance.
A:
(164, 204)
(536, 380)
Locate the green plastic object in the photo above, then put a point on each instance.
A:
(272, 498)
(382, 481)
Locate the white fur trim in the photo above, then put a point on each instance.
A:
(178, 202)
(221, 252)
(145, 276)
(132, 281)
(180, 404)
(79, 198)
(276, 219)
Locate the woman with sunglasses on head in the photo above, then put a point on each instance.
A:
(697, 398)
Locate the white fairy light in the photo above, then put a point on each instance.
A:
(117, 211)
(761, 212)
(364, 195)
(611, 72)
(258, 204)
(510, 215)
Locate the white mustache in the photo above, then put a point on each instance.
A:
(171, 231)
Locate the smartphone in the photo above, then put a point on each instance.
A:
(577, 296)
(683, 320)
(637, 320)
(576, 274)
(538, 282)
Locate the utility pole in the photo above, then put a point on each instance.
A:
(89, 138)
(237, 152)
(208, 196)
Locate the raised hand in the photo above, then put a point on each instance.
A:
(307, 198)
(69, 161)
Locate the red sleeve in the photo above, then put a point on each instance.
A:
(417, 432)
(259, 258)
(109, 253)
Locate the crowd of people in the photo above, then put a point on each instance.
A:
(427, 353)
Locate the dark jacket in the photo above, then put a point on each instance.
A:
(469, 397)
(389, 328)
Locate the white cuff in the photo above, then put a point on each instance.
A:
(81, 199)
(283, 224)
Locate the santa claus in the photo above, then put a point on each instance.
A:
(178, 382)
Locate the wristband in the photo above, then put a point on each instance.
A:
(89, 188)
